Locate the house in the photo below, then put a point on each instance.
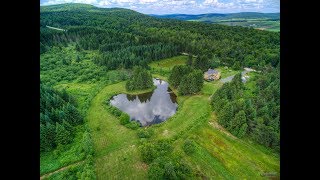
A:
(211, 75)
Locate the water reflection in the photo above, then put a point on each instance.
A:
(148, 108)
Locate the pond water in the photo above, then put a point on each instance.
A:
(148, 108)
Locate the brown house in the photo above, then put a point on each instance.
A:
(211, 75)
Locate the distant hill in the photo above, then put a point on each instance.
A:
(268, 21)
(74, 7)
(67, 7)
(215, 17)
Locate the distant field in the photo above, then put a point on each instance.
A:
(257, 24)
(263, 21)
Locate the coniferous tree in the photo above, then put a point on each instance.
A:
(62, 135)
(68, 127)
(226, 115)
(50, 135)
(141, 79)
(237, 122)
(45, 144)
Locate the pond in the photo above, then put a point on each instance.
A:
(148, 108)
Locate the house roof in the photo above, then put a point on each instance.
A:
(212, 71)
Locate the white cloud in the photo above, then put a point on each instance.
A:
(50, 2)
(147, 1)
(217, 4)
(104, 3)
(124, 1)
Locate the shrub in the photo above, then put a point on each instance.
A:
(189, 147)
(133, 125)
(155, 172)
(145, 133)
(153, 150)
(115, 111)
(169, 167)
(124, 119)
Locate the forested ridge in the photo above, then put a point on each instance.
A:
(140, 38)
(108, 51)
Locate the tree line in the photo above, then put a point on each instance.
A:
(251, 112)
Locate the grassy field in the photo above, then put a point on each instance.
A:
(256, 23)
(167, 64)
(218, 154)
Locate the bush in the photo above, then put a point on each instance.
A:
(145, 133)
(153, 150)
(189, 147)
(133, 125)
(124, 119)
(155, 172)
(169, 167)
(115, 111)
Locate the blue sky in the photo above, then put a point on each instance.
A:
(181, 6)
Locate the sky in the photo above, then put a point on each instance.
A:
(181, 6)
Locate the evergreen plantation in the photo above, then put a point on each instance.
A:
(220, 130)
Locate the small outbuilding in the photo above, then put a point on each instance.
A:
(211, 75)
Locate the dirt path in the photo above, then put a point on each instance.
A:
(55, 28)
(61, 169)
